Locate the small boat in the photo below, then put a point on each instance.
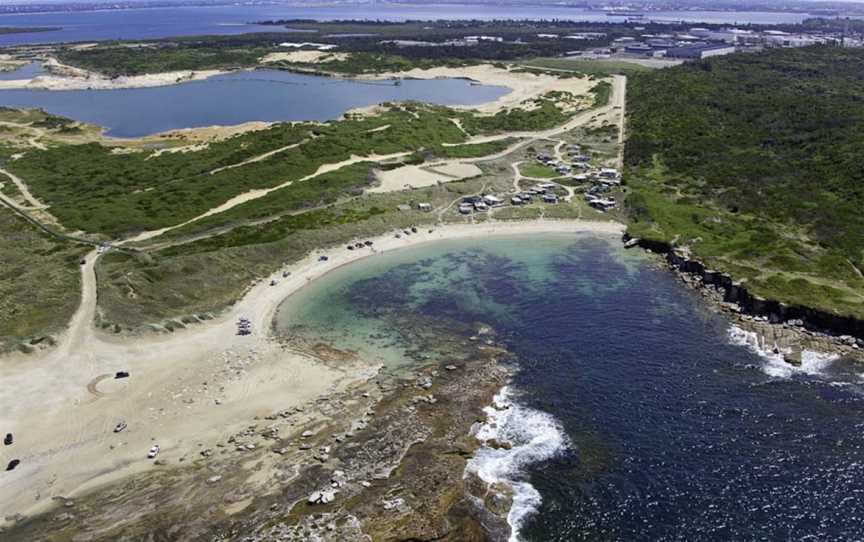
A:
(121, 425)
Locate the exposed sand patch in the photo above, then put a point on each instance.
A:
(307, 57)
(408, 177)
(63, 77)
(7, 65)
(455, 170)
(524, 86)
(378, 129)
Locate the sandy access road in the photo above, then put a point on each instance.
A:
(66, 401)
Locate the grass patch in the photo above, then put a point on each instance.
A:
(540, 171)
(473, 150)
(39, 281)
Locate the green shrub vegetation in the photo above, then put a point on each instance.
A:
(473, 150)
(602, 92)
(299, 197)
(26, 29)
(195, 53)
(367, 63)
(94, 188)
(754, 163)
(39, 280)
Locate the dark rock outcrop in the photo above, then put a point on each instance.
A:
(735, 292)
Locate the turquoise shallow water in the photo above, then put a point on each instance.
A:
(358, 307)
(635, 413)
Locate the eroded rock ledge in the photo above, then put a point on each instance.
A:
(846, 330)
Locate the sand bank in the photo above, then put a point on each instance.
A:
(523, 85)
(70, 78)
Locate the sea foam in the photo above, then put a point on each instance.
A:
(812, 363)
(533, 436)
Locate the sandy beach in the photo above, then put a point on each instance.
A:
(187, 390)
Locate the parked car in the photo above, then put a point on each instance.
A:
(12, 464)
(8, 440)
(154, 451)
(121, 425)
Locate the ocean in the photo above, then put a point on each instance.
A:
(634, 412)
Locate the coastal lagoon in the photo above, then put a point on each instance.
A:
(634, 412)
(260, 95)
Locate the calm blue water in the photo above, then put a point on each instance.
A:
(226, 20)
(261, 95)
(635, 417)
(27, 71)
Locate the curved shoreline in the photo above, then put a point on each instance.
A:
(522, 85)
(63, 432)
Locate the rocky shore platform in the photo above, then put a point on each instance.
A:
(384, 460)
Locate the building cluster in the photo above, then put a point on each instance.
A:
(701, 43)
(596, 182)
(601, 180)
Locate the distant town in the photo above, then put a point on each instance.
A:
(699, 43)
(811, 7)
(695, 43)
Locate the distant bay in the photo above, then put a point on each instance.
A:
(129, 24)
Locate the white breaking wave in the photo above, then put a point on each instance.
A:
(533, 435)
(812, 363)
